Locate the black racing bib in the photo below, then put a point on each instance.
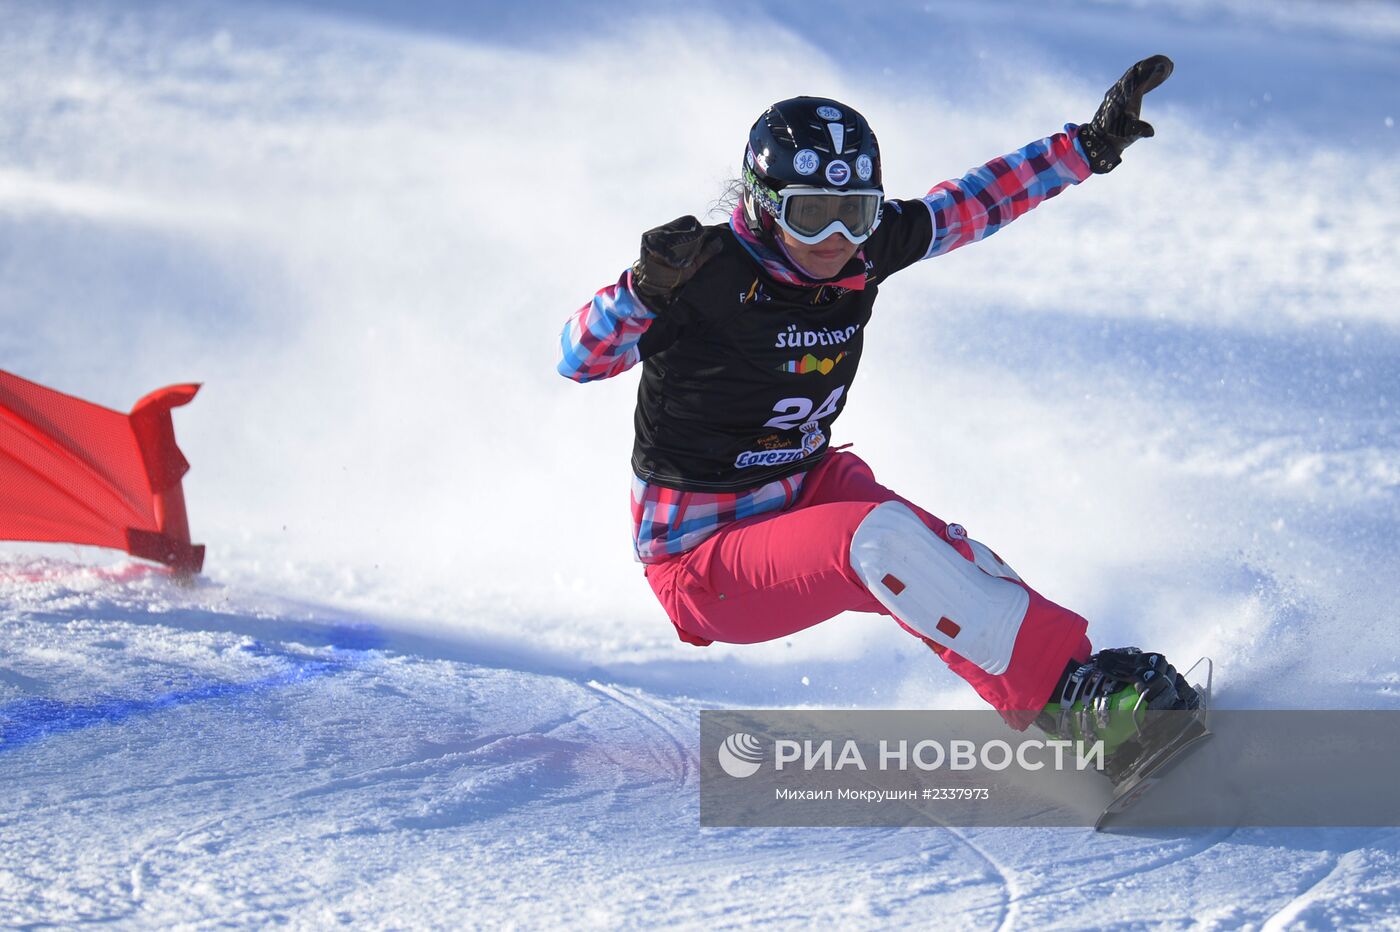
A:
(743, 376)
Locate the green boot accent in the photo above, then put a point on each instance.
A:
(1113, 718)
(1118, 696)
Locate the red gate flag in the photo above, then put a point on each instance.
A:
(78, 473)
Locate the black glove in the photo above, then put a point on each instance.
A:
(1117, 126)
(671, 255)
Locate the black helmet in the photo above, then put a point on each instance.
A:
(819, 146)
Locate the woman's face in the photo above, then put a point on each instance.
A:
(822, 260)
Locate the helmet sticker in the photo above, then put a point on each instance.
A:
(828, 113)
(864, 167)
(805, 162)
(838, 172)
(838, 137)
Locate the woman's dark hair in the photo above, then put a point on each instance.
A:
(730, 197)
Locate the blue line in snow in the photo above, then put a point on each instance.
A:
(30, 720)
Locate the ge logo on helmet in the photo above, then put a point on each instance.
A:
(805, 162)
(741, 755)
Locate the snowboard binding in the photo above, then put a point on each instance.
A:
(1123, 698)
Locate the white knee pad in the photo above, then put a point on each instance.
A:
(971, 608)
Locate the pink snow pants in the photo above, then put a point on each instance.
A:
(772, 575)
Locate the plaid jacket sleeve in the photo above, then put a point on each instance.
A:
(600, 339)
(987, 198)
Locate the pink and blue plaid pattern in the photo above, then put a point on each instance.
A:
(600, 340)
(666, 522)
(975, 206)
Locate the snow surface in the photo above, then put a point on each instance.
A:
(414, 690)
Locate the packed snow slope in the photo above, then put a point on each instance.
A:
(198, 757)
(423, 681)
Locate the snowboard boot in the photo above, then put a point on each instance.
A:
(1118, 696)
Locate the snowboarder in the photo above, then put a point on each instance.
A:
(749, 524)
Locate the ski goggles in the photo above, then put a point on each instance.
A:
(810, 215)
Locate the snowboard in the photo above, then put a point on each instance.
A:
(1157, 764)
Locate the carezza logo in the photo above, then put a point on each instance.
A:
(740, 755)
(838, 172)
(812, 440)
(794, 413)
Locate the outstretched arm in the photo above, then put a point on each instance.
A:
(987, 198)
(984, 200)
